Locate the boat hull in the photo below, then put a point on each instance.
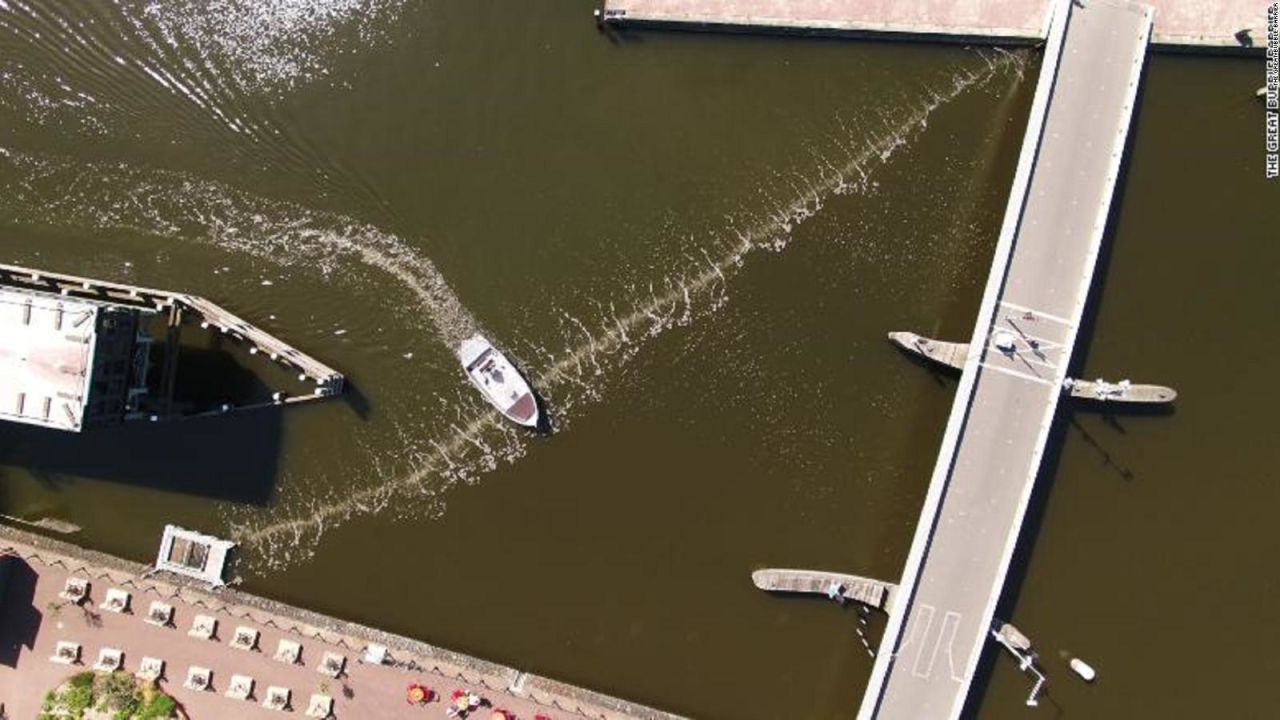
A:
(499, 381)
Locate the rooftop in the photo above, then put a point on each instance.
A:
(45, 355)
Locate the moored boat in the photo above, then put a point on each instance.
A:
(498, 380)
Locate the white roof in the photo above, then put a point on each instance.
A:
(46, 352)
(196, 555)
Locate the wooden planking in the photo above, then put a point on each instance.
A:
(1114, 392)
(953, 355)
(328, 381)
(944, 353)
(860, 589)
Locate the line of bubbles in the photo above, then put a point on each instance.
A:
(474, 441)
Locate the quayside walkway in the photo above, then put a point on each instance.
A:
(1007, 396)
(1201, 23)
(176, 628)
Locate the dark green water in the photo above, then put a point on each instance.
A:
(695, 245)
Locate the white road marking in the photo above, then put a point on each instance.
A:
(928, 611)
(1015, 373)
(945, 639)
(950, 624)
(1026, 337)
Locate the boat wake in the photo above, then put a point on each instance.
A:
(184, 69)
(476, 442)
(271, 45)
(58, 192)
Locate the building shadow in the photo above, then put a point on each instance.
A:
(231, 456)
(19, 618)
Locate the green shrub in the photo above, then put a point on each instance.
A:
(81, 680)
(128, 708)
(77, 699)
(117, 693)
(118, 690)
(160, 707)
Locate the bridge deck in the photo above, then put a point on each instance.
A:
(1006, 401)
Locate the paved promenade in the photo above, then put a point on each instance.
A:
(34, 619)
(1017, 362)
(1177, 22)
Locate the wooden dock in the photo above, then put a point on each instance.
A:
(867, 591)
(953, 355)
(949, 354)
(1123, 391)
(179, 308)
(327, 380)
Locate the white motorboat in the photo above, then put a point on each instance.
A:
(502, 385)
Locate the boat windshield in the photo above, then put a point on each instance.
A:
(479, 359)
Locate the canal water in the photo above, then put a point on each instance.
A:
(694, 244)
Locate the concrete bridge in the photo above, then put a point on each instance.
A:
(1013, 369)
(1006, 399)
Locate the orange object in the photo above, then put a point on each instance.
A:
(498, 715)
(417, 694)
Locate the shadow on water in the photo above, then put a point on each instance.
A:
(231, 457)
(1111, 414)
(355, 399)
(545, 426)
(19, 619)
(1034, 519)
(208, 376)
(943, 375)
(619, 35)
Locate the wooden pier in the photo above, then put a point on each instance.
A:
(874, 593)
(1123, 391)
(327, 380)
(950, 354)
(157, 403)
(953, 355)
